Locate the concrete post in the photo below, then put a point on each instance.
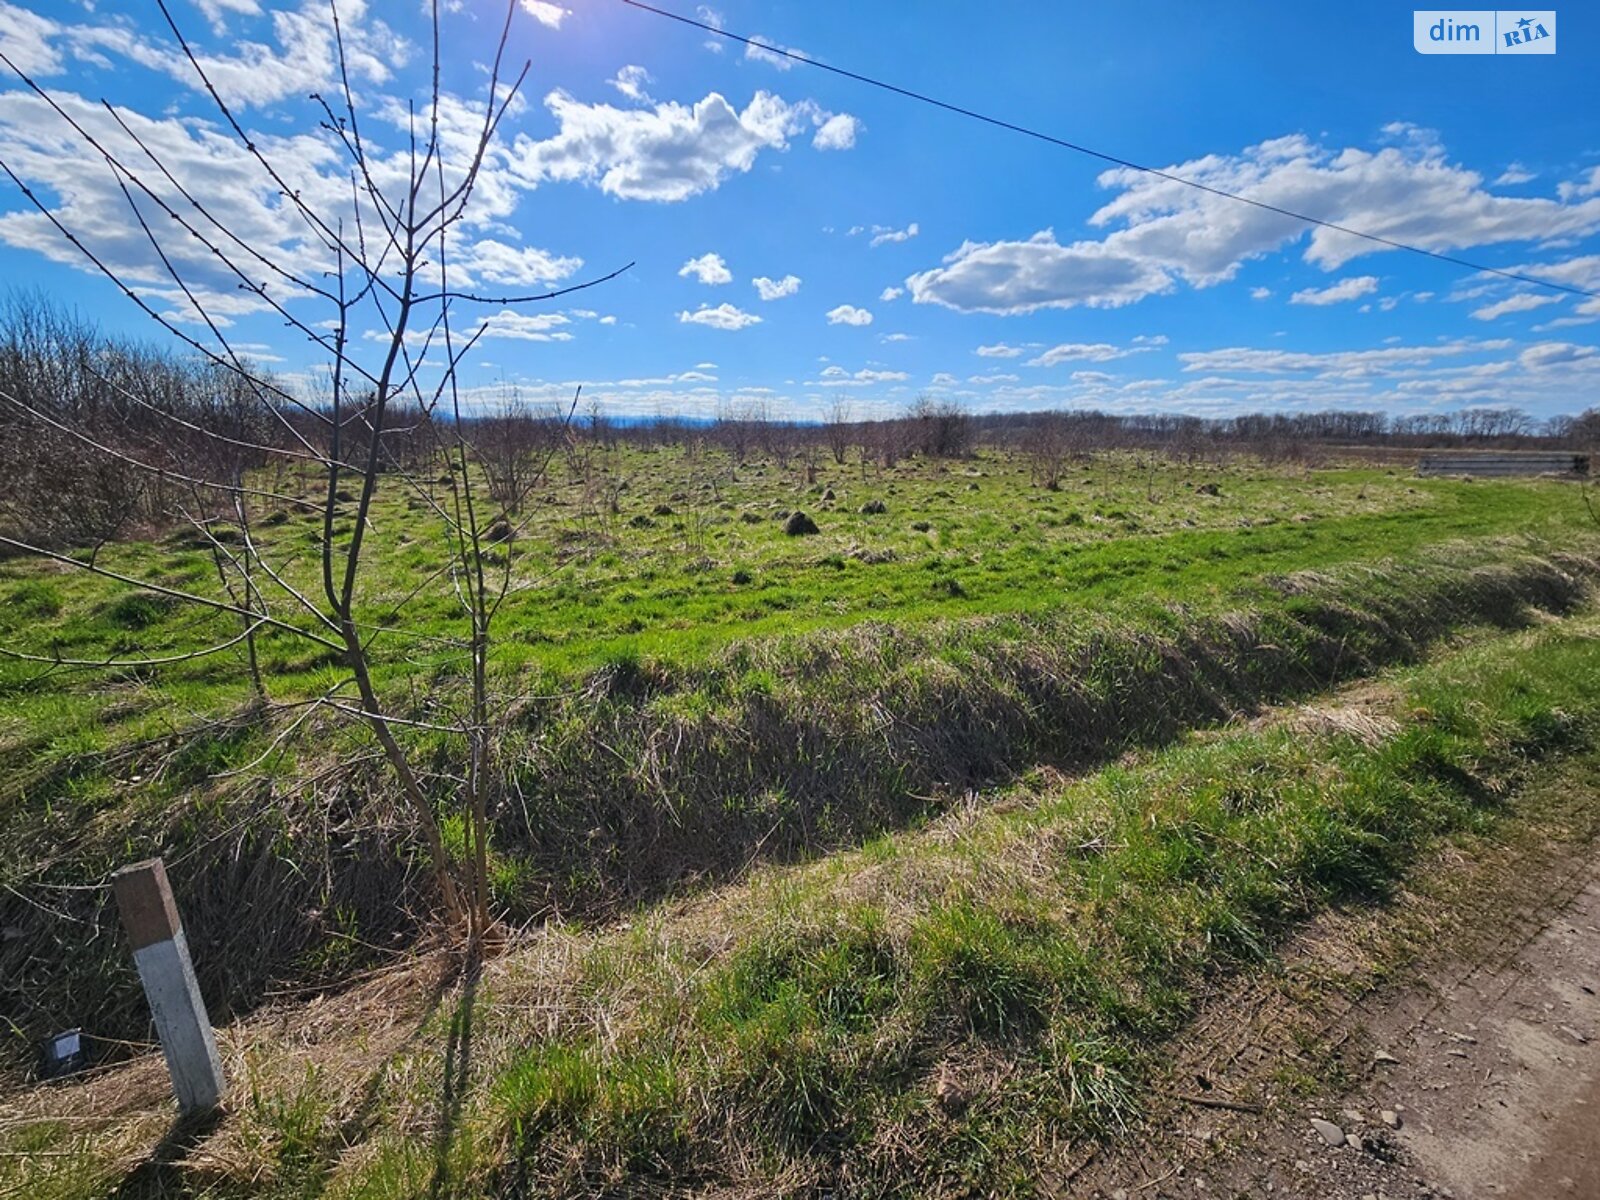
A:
(162, 955)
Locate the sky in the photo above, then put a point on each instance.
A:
(799, 240)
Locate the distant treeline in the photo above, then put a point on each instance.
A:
(84, 417)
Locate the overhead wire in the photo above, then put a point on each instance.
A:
(765, 47)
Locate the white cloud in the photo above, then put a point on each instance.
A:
(631, 82)
(1000, 350)
(491, 261)
(1079, 352)
(545, 13)
(527, 327)
(1548, 354)
(836, 376)
(714, 19)
(1163, 231)
(723, 316)
(709, 269)
(1589, 185)
(837, 132)
(849, 314)
(997, 378)
(1346, 289)
(216, 11)
(760, 49)
(896, 337)
(666, 153)
(1022, 277)
(26, 38)
(1521, 302)
(776, 289)
(1347, 364)
(891, 293)
(1260, 293)
(883, 233)
(1514, 174)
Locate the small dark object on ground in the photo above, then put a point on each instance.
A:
(874, 508)
(800, 525)
(1208, 489)
(62, 1055)
(662, 510)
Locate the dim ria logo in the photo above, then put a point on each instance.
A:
(1484, 31)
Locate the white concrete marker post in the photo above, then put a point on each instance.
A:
(162, 955)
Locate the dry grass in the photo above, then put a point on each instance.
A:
(367, 1094)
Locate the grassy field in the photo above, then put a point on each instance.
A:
(945, 1010)
(684, 691)
(599, 587)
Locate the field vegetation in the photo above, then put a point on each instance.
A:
(680, 687)
(947, 1009)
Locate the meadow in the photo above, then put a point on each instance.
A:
(690, 699)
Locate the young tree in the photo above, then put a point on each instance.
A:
(376, 297)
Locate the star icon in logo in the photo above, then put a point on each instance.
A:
(1525, 22)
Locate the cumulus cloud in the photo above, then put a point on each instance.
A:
(837, 132)
(1589, 185)
(836, 376)
(1023, 277)
(709, 269)
(247, 73)
(491, 261)
(1079, 352)
(1514, 174)
(666, 153)
(1162, 231)
(547, 14)
(631, 81)
(891, 293)
(1000, 350)
(1346, 289)
(776, 289)
(723, 316)
(714, 19)
(527, 327)
(28, 40)
(1548, 354)
(884, 233)
(1521, 302)
(762, 50)
(1350, 364)
(1260, 293)
(849, 314)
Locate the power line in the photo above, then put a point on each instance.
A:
(1078, 148)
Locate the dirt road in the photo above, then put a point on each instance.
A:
(1472, 1071)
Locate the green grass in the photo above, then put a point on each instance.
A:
(1041, 955)
(683, 696)
(931, 1013)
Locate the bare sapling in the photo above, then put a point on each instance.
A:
(379, 302)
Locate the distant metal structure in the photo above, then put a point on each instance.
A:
(1492, 463)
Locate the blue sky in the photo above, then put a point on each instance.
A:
(799, 238)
